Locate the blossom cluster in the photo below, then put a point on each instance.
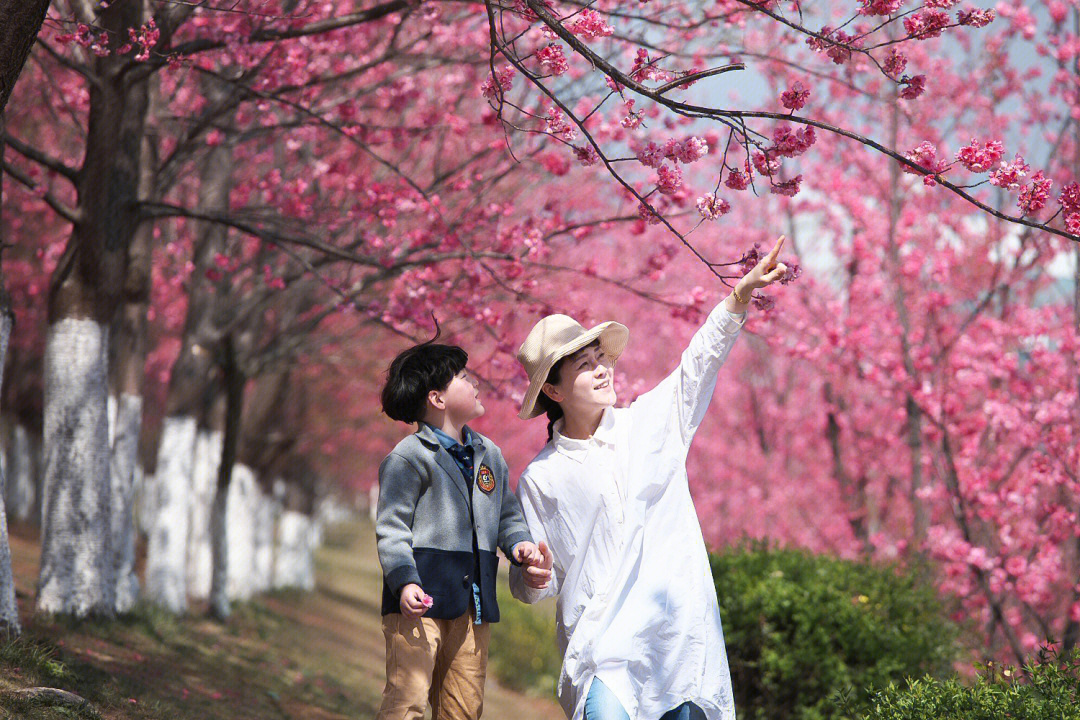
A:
(552, 59)
(711, 207)
(927, 23)
(500, 83)
(925, 155)
(980, 158)
(794, 98)
(590, 26)
(686, 151)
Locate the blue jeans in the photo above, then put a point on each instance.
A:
(601, 704)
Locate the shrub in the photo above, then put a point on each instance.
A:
(1050, 692)
(799, 628)
(523, 653)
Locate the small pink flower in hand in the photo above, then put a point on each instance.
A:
(427, 601)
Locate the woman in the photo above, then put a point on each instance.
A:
(608, 501)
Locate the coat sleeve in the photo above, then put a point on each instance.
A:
(399, 490)
(531, 504)
(678, 403)
(513, 528)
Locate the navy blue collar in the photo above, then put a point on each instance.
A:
(448, 442)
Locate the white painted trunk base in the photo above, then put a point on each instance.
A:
(241, 506)
(77, 575)
(146, 500)
(20, 493)
(166, 551)
(9, 611)
(294, 566)
(265, 520)
(200, 561)
(126, 426)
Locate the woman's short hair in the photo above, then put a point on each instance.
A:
(416, 372)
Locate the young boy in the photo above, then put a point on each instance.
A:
(444, 506)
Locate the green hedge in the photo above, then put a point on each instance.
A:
(799, 628)
(1051, 691)
(523, 654)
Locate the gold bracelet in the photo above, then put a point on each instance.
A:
(735, 292)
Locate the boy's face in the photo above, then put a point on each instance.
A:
(461, 398)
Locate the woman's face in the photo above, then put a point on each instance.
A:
(586, 381)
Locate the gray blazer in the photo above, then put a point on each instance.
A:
(427, 517)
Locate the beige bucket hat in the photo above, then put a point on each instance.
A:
(552, 339)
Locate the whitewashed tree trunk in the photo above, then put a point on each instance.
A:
(294, 566)
(9, 612)
(266, 518)
(21, 475)
(77, 575)
(166, 552)
(126, 425)
(145, 499)
(200, 561)
(240, 511)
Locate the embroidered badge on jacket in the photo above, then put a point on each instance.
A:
(485, 479)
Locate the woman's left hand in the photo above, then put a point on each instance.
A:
(767, 271)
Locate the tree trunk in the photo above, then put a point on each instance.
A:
(9, 612)
(20, 23)
(20, 474)
(166, 551)
(77, 569)
(200, 562)
(187, 403)
(129, 364)
(266, 518)
(226, 517)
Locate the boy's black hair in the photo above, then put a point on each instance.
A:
(416, 372)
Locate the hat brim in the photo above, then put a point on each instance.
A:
(613, 337)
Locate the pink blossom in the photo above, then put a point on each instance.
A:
(554, 163)
(558, 126)
(794, 98)
(552, 59)
(586, 155)
(976, 17)
(879, 7)
(737, 179)
(590, 25)
(633, 118)
(978, 158)
(501, 83)
(651, 155)
(835, 43)
(925, 155)
(1072, 223)
(894, 64)
(914, 87)
(790, 144)
(647, 215)
(926, 24)
(1009, 175)
(712, 207)
(1033, 197)
(668, 179)
(691, 150)
(766, 164)
(1070, 197)
(788, 188)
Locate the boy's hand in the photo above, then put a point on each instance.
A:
(537, 561)
(414, 601)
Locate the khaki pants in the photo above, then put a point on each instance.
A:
(443, 662)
